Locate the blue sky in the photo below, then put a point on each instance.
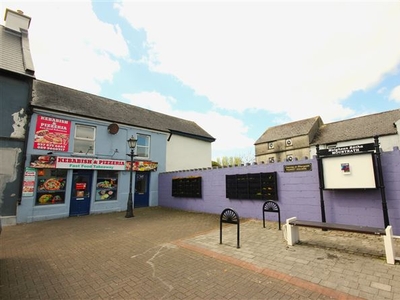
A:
(234, 67)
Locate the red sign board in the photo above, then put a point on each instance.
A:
(80, 185)
(52, 134)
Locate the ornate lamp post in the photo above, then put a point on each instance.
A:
(129, 210)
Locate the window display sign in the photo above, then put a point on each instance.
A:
(51, 187)
(106, 188)
(52, 134)
(80, 185)
(43, 161)
(29, 182)
(142, 165)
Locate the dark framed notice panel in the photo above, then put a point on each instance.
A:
(349, 171)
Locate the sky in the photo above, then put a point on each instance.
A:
(235, 68)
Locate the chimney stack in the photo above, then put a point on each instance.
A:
(16, 20)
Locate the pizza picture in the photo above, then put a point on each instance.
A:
(52, 184)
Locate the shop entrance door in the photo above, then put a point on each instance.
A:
(80, 193)
(142, 180)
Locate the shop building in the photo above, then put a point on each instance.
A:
(76, 155)
(16, 75)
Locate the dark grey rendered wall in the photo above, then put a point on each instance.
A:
(14, 99)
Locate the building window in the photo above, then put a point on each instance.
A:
(51, 186)
(84, 139)
(289, 143)
(270, 145)
(107, 184)
(143, 146)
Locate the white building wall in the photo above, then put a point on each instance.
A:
(185, 153)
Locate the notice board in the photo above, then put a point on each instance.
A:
(349, 171)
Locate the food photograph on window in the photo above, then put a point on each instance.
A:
(106, 187)
(51, 186)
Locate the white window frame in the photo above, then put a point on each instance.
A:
(90, 149)
(143, 149)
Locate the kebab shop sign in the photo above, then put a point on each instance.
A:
(89, 163)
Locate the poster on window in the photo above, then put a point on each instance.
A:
(52, 134)
(29, 182)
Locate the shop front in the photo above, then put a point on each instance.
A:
(61, 186)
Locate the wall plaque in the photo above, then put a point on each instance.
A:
(297, 168)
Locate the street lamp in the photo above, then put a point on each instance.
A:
(129, 209)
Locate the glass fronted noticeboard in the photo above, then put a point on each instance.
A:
(349, 172)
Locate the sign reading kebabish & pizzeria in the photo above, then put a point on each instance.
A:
(89, 163)
(52, 134)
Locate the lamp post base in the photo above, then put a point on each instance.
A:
(129, 209)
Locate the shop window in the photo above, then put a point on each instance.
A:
(51, 186)
(107, 185)
(84, 139)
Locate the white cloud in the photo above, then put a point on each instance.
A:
(299, 58)
(395, 94)
(230, 133)
(151, 100)
(70, 46)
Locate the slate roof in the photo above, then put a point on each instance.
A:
(15, 54)
(288, 130)
(61, 99)
(368, 126)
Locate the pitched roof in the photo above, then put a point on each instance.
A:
(288, 130)
(15, 54)
(61, 99)
(379, 124)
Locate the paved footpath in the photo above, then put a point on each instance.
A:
(163, 253)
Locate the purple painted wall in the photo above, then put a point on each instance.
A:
(299, 195)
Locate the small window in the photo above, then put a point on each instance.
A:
(289, 143)
(143, 146)
(84, 139)
(271, 145)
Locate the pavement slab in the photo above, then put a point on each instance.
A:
(164, 253)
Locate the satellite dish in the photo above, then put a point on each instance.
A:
(113, 128)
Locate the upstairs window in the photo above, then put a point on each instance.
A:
(84, 139)
(143, 146)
